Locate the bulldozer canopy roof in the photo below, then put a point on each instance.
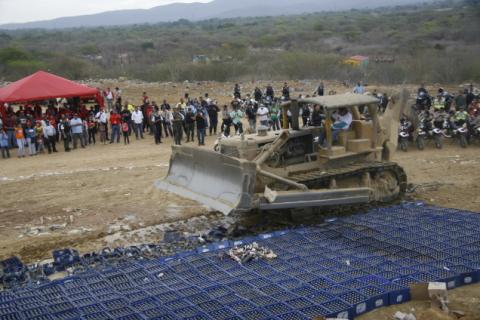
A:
(341, 100)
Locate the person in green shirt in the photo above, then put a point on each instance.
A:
(237, 116)
(274, 116)
(460, 101)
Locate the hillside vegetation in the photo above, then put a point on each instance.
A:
(433, 43)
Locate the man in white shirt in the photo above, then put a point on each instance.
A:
(262, 113)
(137, 119)
(109, 98)
(101, 117)
(343, 120)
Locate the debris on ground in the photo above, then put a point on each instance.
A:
(404, 316)
(250, 252)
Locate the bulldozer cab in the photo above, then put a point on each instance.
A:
(359, 137)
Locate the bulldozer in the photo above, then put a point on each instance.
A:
(290, 169)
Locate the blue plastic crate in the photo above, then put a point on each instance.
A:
(377, 298)
(338, 309)
(397, 294)
(242, 306)
(466, 275)
(222, 314)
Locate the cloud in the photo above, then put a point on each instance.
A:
(34, 10)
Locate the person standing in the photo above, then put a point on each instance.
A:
(226, 121)
(157, 125)
(4, 143)
(286, 91)
(237, 116)
(213, 111)
(201, 123)
(177, 124)
(460, 100)
(269, 93)
(50, 135)
(359, 89)
(320, 90)
(275, 116)
(77, 129)
(263, 115)
(109, 97)
(305, 115)
(190, 124)
(236, 91)
(137, 118)
(118, 98)
(125, 132)
(167, 122)
(252, 117)
(66, 132)
(127, 117)
(20, 136)
(30, 135)
(257, 94)
(115, 120)
(101, 118)
(165, 106)
(39, 137)
(10, 128)
(92, 130)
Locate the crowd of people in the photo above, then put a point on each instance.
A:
(34, 129)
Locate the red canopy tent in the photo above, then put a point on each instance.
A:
(42, 86)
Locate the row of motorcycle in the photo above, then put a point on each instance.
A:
(436, 128)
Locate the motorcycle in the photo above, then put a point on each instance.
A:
(461, 133)
(438, 132)
(404, 135)
(425, 129)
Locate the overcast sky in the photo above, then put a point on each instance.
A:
(34, 10)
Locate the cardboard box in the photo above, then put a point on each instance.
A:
(437, 289)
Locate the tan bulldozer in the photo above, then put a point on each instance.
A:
(289, 169)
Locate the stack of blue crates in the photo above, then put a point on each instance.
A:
(342, 268)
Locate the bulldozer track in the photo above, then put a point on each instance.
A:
(322, 178)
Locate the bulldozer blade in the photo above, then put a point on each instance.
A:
(217, 181)
(314, 198)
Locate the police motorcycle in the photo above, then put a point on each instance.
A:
(440, 123)
(404, 133)
(460, 127)
(424, 130)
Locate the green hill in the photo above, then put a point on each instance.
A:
(437, 42)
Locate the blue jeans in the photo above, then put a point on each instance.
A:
(138, 130)
(115, 133)
(12, 140)
(201, 136)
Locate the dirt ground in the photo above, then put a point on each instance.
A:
(86, 199)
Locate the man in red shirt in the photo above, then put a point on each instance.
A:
(115, 120)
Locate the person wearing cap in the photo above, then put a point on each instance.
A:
(77, 130)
